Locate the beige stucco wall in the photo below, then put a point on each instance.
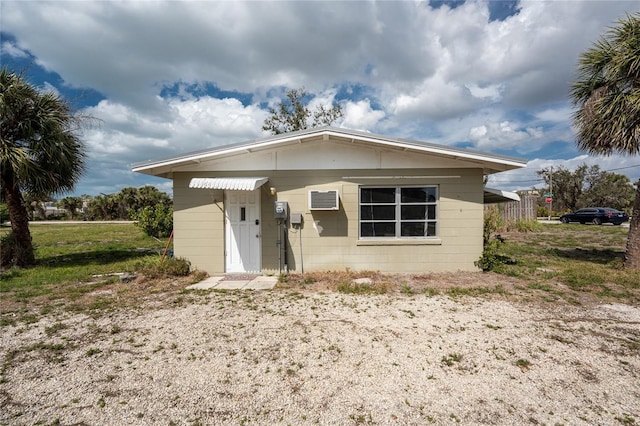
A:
(329, 239)
(198, 226)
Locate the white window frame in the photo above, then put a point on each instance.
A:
(398, 210)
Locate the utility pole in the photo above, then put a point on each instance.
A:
(550, 189)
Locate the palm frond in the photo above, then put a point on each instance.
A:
(606, 93)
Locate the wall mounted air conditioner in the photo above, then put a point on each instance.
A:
(324, 200)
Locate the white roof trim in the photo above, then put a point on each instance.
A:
(355, 136)
(492, 195)
(234, 184)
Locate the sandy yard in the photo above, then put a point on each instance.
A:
(323, 357)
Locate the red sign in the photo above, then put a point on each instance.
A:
(549, 200)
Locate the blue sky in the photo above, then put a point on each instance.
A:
(163, 78)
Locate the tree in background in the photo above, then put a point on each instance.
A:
(101, 207)
(125, 204)
(127, 201)
(150, 196)
(606, 95)
(610, 190)
(292, 114)
(567, 186)
(71, 205)
(588, 187)
(36, 206)
(40, 154)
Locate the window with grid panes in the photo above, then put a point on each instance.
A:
(398, 212)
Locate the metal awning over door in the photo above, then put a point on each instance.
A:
(229, 183)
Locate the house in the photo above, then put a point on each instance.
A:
(329, 199)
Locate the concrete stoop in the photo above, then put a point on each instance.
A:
(228, 283)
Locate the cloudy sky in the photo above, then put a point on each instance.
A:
(163, 78)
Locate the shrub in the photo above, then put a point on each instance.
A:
(492, 223)
(4, 213)
(542, 211)
(169, 267)
(156, 221)
(528, 226)
(490, 257)
(7, 250)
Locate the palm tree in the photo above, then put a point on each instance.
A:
(606, 94)
(40, 154)
(71, 204)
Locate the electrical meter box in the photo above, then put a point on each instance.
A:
(280, 209)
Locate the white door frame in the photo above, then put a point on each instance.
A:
(243, 238)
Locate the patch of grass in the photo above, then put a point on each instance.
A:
(525, 226)
(451, 359)
(539, 286)
(524, 364)
(72, 253)
(76, 271)
(406, 289)
(588, 260)
(50, 331)
(409, 313)
(475, 291)
(92, 351)
(355, 288)
(626, 419)
(429, 291)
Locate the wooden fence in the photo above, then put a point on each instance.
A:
(525, 209)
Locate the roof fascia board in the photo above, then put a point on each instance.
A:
(224, 150)
(431, 148)
(325, 133)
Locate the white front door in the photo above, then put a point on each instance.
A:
(242, 231)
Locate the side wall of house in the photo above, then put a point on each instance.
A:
(198, 225)
(328, 240)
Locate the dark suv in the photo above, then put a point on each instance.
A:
(596, 215)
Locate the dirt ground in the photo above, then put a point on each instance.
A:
(449, 349)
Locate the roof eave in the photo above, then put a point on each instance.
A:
(490, 163)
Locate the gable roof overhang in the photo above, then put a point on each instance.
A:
(490, 163)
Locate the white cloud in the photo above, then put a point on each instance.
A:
(425, 62)
(183, 125)
(12, 50)
(442, 75)
(528, 178)
(216, 121)
(361, 116)
(556, 115)
(505, 135)
(491, 92)
(50, 88)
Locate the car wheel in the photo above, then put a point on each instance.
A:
(582, 222)
(564, 220)
(596, 221)
(617, 223)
